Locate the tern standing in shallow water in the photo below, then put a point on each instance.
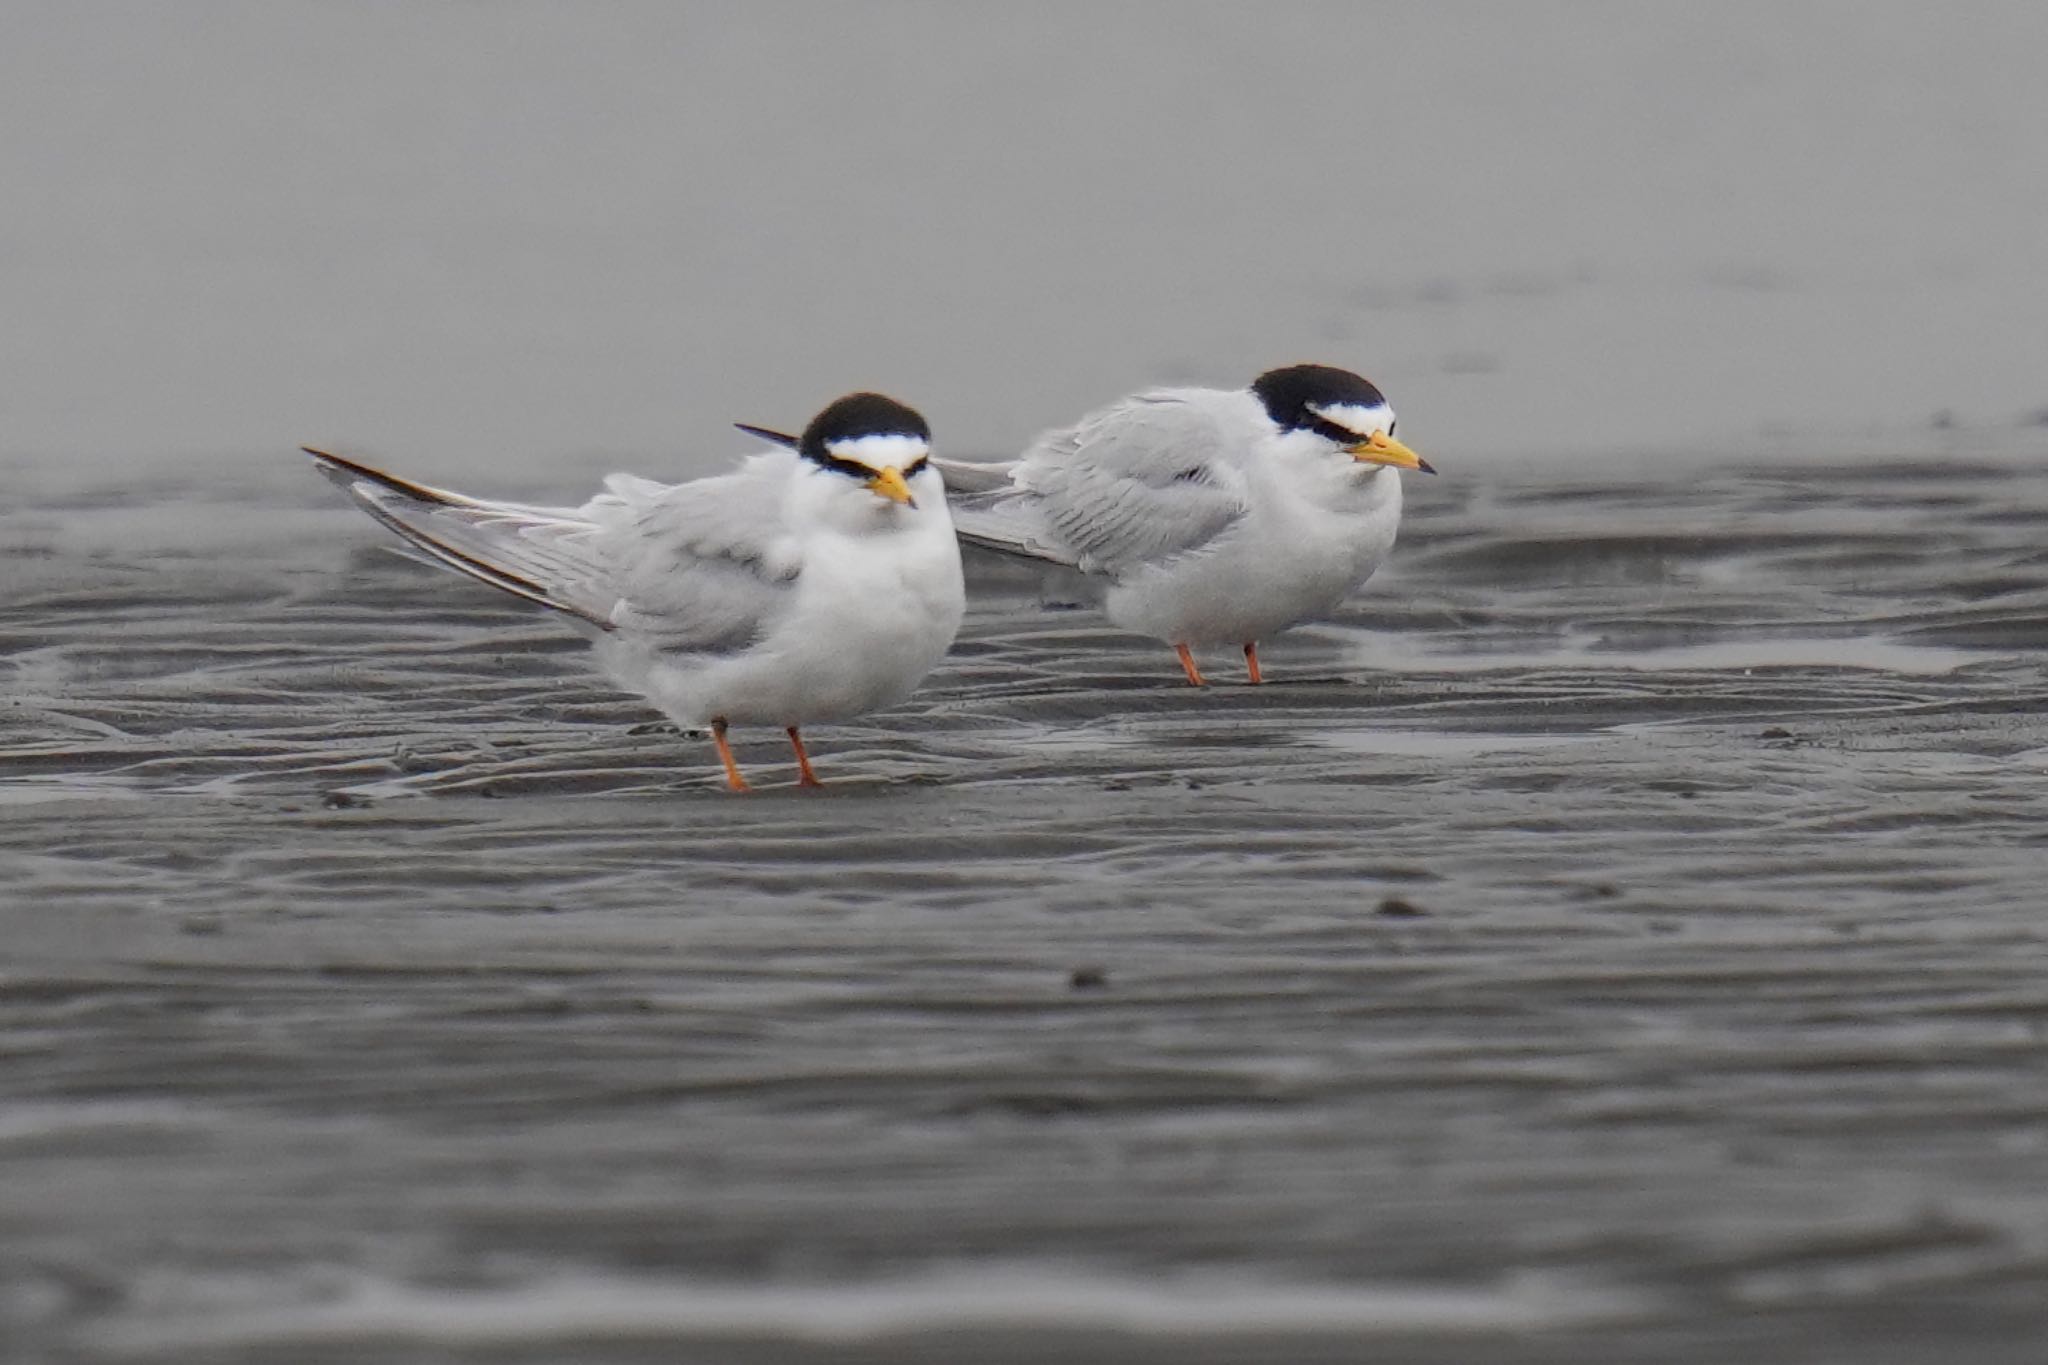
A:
(1206, 516)
(815, 582)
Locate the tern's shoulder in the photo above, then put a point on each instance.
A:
(740, 517)
(755, 492)
(1146, 479)
(1154, 436)
(706, 565)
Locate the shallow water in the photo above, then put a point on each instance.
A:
(1618, 936)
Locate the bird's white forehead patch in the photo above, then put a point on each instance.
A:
(1361, 421)
(878, 452)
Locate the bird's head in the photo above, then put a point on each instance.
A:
(1341, 408)
(875, 441)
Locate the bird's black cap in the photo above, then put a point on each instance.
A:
(855, 416)
(1289, 392)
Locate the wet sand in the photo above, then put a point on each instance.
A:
(1619, 936)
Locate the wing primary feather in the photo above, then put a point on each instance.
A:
(347, 473)
(781, 438)
(483, 572)
(1010, 530)
(968, 476)
(1001, 545)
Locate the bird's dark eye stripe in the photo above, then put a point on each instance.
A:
(852, 469)
(1329, 430)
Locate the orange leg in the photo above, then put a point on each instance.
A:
(1187, 662)
(732, 769)
(1251, 660)
(803, 761)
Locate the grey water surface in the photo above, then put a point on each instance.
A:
(1618, 936)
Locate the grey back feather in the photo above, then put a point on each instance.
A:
(706, 566)
(1142, 481)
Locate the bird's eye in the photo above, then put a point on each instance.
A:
(915, 467)
(1391, 426)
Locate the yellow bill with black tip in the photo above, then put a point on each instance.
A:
(889, 483)
(1380, 448)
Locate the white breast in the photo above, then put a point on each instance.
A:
(1296, 556)
(876, 606)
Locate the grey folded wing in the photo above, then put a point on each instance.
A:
(702, 567)
(693, 567)
(1141, 482)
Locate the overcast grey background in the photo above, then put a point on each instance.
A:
(481, 237)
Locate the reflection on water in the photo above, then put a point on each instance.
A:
(1054, 1310)
(1455, 652)
(1434, 743)
(39, 787)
